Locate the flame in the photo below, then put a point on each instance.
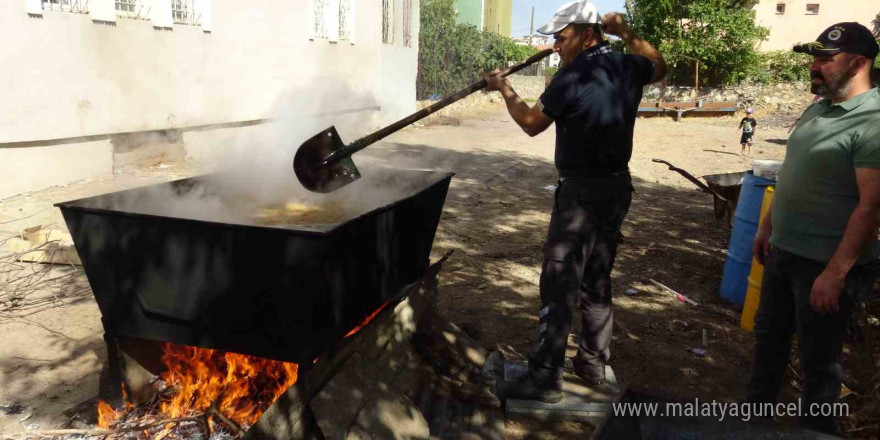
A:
(242, 386)
(366, 320)
(106, 414)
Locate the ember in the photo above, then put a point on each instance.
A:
(202, 381)
(366, 320)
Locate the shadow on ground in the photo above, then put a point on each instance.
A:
(496, 217)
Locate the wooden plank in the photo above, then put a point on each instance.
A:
(37, 245)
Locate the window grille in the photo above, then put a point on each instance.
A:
(79, 6)
(320, 6)
(183, 12)
(388, 21)
(346, 19)
(127, 8)
(407, 23)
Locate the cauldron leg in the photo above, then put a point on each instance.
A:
(110, 382)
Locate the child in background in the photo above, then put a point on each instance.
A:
(748, 125)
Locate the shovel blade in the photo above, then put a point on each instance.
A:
(323, 178)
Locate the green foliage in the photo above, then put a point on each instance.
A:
(877, 26)
(877, 34)
(721, 34)
(783, 66)
(452, 56)
(550, 71)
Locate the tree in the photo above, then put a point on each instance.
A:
(877, 35)
(877, 26)
(721, 34)
(452, 55)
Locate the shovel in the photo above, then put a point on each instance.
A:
(323, 163)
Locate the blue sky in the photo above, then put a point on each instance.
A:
(544, 9)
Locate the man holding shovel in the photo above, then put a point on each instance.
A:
(593, 99)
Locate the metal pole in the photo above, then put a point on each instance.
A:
(532, 27)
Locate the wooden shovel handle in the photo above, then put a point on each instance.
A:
(370, 139)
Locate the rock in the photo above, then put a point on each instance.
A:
(390, 416)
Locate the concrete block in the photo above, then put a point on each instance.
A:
(338, 403)
(579, 402)
(147, 149)
(390, 416)
(36, 168)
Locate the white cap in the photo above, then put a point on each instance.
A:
(578, 11)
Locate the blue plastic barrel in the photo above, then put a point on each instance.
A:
(735, 280)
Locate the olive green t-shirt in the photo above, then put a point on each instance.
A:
(817, 190)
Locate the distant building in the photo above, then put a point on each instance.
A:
(487, 15)
(534, 40)
(800, 21)
(552, 60)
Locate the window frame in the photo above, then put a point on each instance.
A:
(388, 30)
(188, 14)
(808, 11)
(74, 6)
(407, 23)
(133, 4)
(347, 20)
(782, 11)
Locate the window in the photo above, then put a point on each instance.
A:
(407, 23)
(333, 20)
(127, 8)
(388, 21)
(182, 12)
(346, 20)
(812, 8)
(65, 5)
(319, 30)
(780, 8)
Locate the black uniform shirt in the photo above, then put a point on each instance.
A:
(594, 102)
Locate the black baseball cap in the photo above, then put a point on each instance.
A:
(849, 37)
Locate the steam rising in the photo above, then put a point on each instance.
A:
(256, 165)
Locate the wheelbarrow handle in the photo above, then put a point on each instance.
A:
(690, 177)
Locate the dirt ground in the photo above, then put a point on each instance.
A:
(495, 219)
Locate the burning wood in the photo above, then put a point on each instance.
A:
(220, 390)
(203, 390)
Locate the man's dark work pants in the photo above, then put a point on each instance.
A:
(578, 257)
(784, 310)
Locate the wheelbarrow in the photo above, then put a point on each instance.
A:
(723, 187)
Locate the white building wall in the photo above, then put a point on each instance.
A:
(66, 76)
(796, 26)
(63, 75)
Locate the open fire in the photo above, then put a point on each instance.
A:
(200, 382)
(207, 389)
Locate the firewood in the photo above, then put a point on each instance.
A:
(214, 410)
(119, 430)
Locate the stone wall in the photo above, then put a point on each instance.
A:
(528, 87)
(785, 96)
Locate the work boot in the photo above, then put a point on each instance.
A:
(592, 377)
(527, 387)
